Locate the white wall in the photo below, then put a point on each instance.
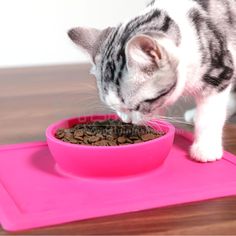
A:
(33, 32)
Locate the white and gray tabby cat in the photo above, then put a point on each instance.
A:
(172, 49)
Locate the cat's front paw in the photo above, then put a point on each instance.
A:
(206, 153)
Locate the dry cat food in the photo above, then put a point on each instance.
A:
(107, 133)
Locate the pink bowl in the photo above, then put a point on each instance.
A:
(104, 162)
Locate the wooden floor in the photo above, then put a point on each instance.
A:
(33, 98)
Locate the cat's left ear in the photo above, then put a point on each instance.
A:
(89, 39)
(143, 53)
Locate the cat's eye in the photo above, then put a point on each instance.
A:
(151, 100)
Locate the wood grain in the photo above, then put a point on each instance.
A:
(32, 98)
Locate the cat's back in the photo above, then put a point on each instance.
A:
(221, 12)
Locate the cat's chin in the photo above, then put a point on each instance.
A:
(135, 117)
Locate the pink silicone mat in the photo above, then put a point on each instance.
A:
(33, 193)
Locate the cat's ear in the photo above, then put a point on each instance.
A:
(89, 39)
(143, 53)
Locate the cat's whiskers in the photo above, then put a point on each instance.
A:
(155, 125)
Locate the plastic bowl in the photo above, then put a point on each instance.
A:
(108, 162)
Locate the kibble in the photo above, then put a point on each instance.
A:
(107, 133)
(148, 137)
(78, 133)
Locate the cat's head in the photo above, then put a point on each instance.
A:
(136, 75)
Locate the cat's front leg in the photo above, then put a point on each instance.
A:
(209, 123)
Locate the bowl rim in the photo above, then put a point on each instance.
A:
(52, 138)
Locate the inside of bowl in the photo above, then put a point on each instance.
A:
(83, 120)
(155, 124)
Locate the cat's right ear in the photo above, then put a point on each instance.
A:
(89, 39)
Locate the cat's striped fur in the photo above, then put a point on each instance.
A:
(171, 49)
(214, 45)
(114, 64)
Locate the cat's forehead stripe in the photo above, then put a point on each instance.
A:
(203, 3)
(109, 45)
(166, 24)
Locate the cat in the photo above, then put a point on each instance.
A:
(171, 49)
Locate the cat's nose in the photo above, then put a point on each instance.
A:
(125, 117)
